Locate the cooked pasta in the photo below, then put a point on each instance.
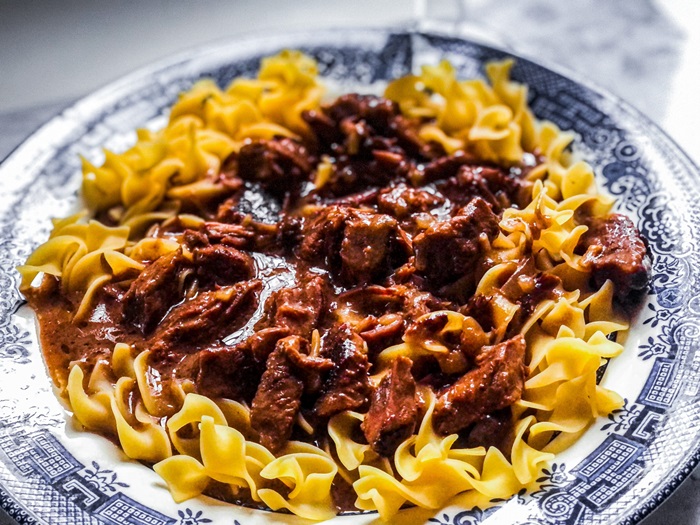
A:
(405, 299)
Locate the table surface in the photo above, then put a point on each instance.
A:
(656, 67)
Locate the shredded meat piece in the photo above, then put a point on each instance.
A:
(445, 167)
(278, 398)
(614, 249)
(468, 183)
(357, 246)
(210, 315)
(380, 333)
(347, 387)
(231, 372)
(276, 164)
(450, 250)
(222, 265)
(393, 412)
(299, 309)
(402, 200)
(365, 250)
(496, 383)
(154, 291)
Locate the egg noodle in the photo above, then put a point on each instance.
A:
(568, 338)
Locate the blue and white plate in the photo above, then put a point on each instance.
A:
(617, 473)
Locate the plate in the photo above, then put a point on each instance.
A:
(617, 473)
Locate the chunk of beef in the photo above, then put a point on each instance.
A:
(480, 307)
(232, 372)
(298, 310)
(381, 116)
(347, 387)
(450, 250)
(357, 246)
(372, 299)
(443, 167)
(276, 164)
(468, 183)
(235, 235)
(243, 235)
(278, 398)
(496, 383)
(154, 291)
(419, 302)
(372, 143)
(207, 317)
(222, 265)
(322, 236)
(323, 127)
(393, 412)
(402, 200)
(365, 252)
(614, 249)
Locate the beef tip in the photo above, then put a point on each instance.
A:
(402, 200)
(418, 302)
(469, 183)
(443, 168)
(323, 127)
(393, 411)
(298, 309)
(493, 430)
(311, 369)
(347, 387)
(373, 299)
(155, 291)
(497, 186)
(480, 307)
(370, 140)
(507, 185)
(496, 383)
(322, 237)
(450, 250)
(232, 372)
(357, 246)
(406, 131)
(614, 249)
(235, 235)
(377, 112)
(278, 398)
(277, 164)
(290, 232)
(244, 235)
(365, 251)
(360, 199)
(222, 265)
(207, 317)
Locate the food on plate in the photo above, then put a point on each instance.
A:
(330, 304)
